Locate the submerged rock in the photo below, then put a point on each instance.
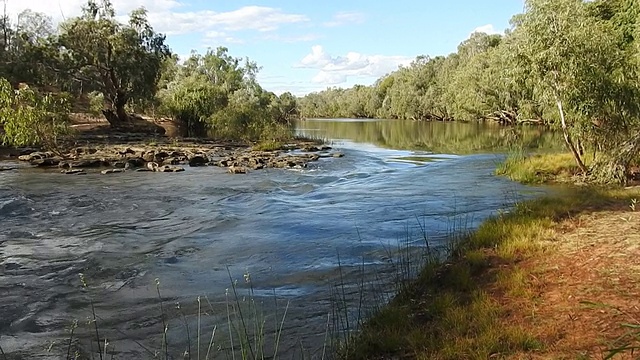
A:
(84, 163)
(112, 171)
(171, 161)
(169, 168)
(73, 172)
(237, 170)
(53, 161)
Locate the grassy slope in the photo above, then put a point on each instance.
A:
(485, 301)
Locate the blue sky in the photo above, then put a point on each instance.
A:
(305, 46)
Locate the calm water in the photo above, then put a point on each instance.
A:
(201, 230)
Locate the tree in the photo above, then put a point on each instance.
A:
(123, 61)
(571, 56)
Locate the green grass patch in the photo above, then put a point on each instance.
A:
(540, 168)
(269, 145)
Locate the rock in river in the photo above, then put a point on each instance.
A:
(237, 170)
(53, 161)
(112, 171)
(73, 172)
(83, 163)
(198, 160)
(169, 168)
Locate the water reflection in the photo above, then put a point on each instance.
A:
(436, 137)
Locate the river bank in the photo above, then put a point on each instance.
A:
(554, 278)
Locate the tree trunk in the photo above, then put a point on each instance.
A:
(111, 117)
(567, 138)
(117, 115)
(119, 104)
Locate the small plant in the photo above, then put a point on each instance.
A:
(268, 145)
(96, 103)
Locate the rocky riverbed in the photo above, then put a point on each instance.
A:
(120, 153)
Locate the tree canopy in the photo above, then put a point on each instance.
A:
(118, 68)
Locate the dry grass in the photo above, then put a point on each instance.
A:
(555, 279)
(587, 284)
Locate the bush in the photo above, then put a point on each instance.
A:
(96, 103)
(248, 117)
(192, 102)
(30, 118)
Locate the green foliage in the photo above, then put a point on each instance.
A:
(30, 118)
(96, 103)
(122, 61)
(217, 94)
(192, 101)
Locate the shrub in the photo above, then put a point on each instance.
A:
(30, 118)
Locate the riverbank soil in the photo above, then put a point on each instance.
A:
(585, 287)
(558, 278)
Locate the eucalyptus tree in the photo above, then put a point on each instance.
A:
(571, 56)
(122, 61)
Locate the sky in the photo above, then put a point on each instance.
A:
(303, 45)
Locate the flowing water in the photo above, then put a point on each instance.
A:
(296, 232)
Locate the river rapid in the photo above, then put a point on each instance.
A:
(292, 234)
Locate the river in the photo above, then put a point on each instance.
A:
(295, 233)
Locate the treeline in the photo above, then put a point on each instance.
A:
(95, 63)
(571, 64)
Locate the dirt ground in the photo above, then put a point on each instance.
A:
(586, 288)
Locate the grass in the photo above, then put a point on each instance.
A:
(269, 145)
(241, 333)
(540, 168)
(481, 302)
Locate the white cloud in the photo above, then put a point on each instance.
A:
(488, 29)
(218, 37)
(344, 18)
(318, 58)
(166, 17)
(329, 78)
(291, 38)
(60, 9)
(259, 18)
(337, 70)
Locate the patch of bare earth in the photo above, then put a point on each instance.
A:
(584, 287)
